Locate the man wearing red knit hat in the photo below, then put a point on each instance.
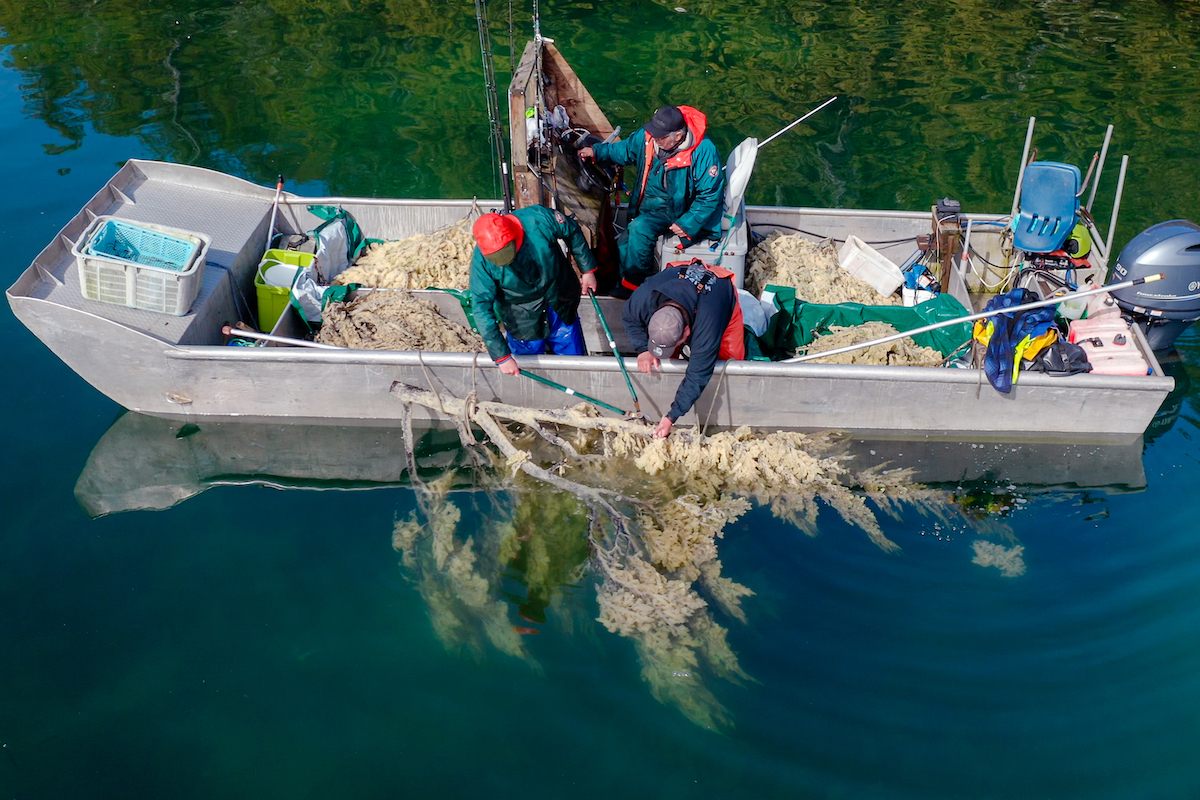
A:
(520, 276)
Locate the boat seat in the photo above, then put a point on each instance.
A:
(732, 243)
(1048, 207)
(729, 249)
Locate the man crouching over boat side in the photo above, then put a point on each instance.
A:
(520, 274)
(680, 187)
(695, 305)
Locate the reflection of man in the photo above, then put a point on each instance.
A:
(519, 271)
(694, 305)
(680, 187)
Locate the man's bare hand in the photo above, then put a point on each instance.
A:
(587, 153)
(647, 362)
(587, 282)
(509, 366)
(664, 428)
(678, 231)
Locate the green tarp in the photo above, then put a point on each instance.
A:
(798, 322)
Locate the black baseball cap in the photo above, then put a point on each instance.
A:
(667, 119)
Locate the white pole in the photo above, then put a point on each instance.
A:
(266, 337)
(1021, 171)
(966, 255)
(787, 128)
(972, 317)
(1112, 223)
(1100, 166)
(274, 208)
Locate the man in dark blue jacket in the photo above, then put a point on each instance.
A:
(695, 305)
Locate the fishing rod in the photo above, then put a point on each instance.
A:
(972, 317)
(496, 132)
(739, 177)
(791, 125)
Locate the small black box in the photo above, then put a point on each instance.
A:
(948, 206)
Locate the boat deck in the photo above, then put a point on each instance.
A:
(232, 219)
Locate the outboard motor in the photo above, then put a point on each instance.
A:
(1163, 309)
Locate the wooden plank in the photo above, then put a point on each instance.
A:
(570, 92)
(522, 95)
(563, 87)
(949, 244)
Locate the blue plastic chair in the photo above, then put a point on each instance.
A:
(1048, 208)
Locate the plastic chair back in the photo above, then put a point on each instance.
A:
(1049, 206)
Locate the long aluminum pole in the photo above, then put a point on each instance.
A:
(229, 330)
(966, 256)
(1021, 172)
(1112, 223)
(788, 127)
(972, 317)
(1100, 166)
(274, 209)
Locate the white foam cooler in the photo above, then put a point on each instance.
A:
(732, 253)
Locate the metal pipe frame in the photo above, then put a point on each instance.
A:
(1100, 167)
(1112, 223)
(1021, 173)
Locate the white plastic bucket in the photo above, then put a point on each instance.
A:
(280, 275)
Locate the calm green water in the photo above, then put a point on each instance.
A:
(252, 642)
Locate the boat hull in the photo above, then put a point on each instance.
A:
(312, 386)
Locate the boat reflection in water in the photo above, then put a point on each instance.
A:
(146, 463)
(1174, 365)
(497, 558)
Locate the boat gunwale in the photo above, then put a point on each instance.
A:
(606, 363)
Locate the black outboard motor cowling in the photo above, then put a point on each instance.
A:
(1163, 309)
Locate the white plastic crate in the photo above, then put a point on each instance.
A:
(870, 266)
(109, 279)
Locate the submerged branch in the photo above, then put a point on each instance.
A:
(652, 532)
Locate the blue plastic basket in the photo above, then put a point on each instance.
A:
(139, 245)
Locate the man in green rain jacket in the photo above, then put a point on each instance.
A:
(680, 187)
(520, 275)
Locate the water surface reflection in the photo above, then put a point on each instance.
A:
(498, 559)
